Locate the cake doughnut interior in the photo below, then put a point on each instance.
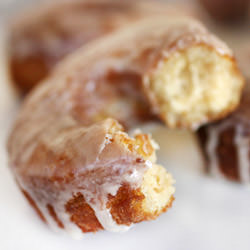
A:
(191, 79)
(94, 177)
(41, 36)
(187, 78)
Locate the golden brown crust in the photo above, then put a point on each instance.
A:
(64, 142)
(125, 209)
(33, 204)
(125, 206)
(228, 138)
(41, 37)
(176, 36)
(53, 179)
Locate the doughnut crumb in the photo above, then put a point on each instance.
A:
(194, 86)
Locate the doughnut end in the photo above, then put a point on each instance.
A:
(128, 206)
(194, 86)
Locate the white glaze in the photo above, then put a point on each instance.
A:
(47, 111)
(105, 218)
(96, 194)
(211, 152)
(213, 133)
(242, 147)
(241, 144)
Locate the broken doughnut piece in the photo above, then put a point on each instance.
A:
(67, 149)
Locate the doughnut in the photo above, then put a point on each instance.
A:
(68, 150)
(225, 143)
(38, 41)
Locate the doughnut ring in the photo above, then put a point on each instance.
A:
(68, 150)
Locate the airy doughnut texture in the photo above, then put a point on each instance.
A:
(67, 150)
(195, 80)
(71, 171)
(41, 37)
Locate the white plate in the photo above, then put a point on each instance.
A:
(208, 214)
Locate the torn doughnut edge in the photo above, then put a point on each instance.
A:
(185, 95)
(128, 206)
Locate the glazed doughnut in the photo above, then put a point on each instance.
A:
(94, 177)
(69, 154)
(183, 80)
(40, 40)
(225, 144)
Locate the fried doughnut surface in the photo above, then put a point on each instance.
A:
(225, 144)
(42, 36)
(187, 75)
(94, 177)
(75, 164)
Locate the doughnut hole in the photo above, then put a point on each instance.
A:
(157, 186)
(155, 194)
(194, 86)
